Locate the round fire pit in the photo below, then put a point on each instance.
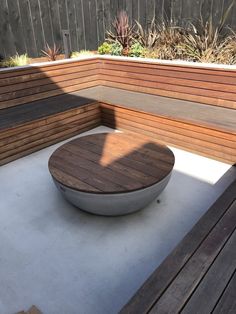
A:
(111, 173)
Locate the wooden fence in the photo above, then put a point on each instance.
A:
(26, 25)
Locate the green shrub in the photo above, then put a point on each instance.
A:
(116, 49)
(136, 50)
(82, 53)
(15, 61)
(105, 49)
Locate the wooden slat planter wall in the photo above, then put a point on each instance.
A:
(208, 86)
(33, 83)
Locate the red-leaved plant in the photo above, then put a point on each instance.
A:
(123, 31)
(51, 52)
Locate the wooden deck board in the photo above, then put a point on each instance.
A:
(227, 302)
(215, 280)
(189, 264)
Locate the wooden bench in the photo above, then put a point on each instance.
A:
(27, 128)
(197, 112)
(199, 276)
(39, 106)
(200, 128)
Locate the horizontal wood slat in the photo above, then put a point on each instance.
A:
(43, 79)
(28, 138)
(33, 90)
(43, 68)
(34, 83)
(192, 140)
(181, 134)
(182, 125)
(192, 74)
(174, 66)
(202, 85)
(36, 74)
(168, 83)
(215, 87)
(26, 126)
(169, 94)
(37, 133)
(55, 92)
(169, 140)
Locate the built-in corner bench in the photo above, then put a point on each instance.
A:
(204, 129)
(193, 108)
(200, 128)
(27, 128)
(38, 107)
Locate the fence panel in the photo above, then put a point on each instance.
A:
(27, 25)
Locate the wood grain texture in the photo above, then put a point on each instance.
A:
(98, 161)
(189, 136)
(34, 83)
(188, 252)
(227, 303)
(192, 125)
(44, 130)
(195, 269)
(181, 82)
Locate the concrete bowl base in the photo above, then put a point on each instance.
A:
(113, 204)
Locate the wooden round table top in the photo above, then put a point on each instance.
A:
(111, 163)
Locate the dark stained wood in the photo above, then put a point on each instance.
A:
(191, 276)
(12, 117)
(151, 161)
(46, 23)
(71, 12)
(227, 302)
(215, 281)
(194, 265)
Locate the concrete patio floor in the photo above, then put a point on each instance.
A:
(66, 261)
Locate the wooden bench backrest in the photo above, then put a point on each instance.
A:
(24, 85)
(204, 85)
